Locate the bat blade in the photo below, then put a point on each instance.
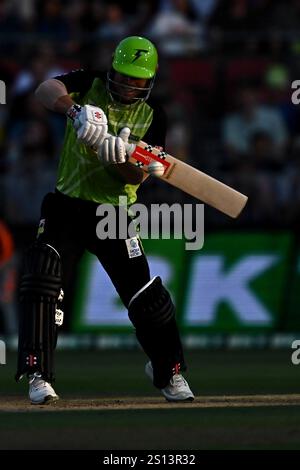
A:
(190, 180)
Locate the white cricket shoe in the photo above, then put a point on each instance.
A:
(40, 391)
(177, 389)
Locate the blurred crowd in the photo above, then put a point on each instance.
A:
(225, 75)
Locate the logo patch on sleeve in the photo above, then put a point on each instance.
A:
(133, 247)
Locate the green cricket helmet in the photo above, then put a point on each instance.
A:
(135, 57)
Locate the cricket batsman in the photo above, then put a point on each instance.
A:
(104, 112)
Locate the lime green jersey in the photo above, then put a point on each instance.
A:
(80, 174)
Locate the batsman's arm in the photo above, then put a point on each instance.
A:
(112, 153)
(53, 94)
(128, 173)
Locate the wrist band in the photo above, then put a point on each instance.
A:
(73, 111)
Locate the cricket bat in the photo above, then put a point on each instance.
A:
(190, 180)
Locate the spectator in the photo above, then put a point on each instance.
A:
(41, 66)
(177, 29)
(52, 22)
(251, 117)
(85, 16)
(114, 25)
(11, 28)
(259, 189)
(31, 174)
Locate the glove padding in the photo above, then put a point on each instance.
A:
(90, 123)
(113, 148)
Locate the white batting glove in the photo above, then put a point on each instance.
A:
(113, 148)
(90, 124)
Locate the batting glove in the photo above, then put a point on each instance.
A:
(90, 124)
(113, 149)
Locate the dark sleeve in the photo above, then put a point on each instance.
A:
(78, 81)
(156, 134)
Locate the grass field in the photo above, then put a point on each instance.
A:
(245, 400)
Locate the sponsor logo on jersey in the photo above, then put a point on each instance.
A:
(133, 247)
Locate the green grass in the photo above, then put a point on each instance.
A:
(267, 428)
(120, 373)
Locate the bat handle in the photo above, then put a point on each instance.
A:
(130, 148)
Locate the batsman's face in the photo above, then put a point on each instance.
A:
(129, 88)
